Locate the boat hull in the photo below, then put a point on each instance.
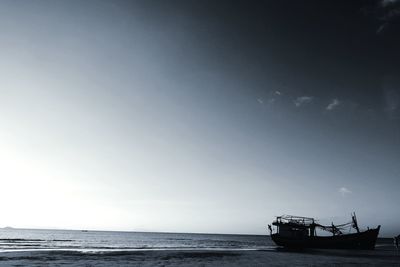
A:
(362, 240)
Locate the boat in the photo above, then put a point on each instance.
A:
(301, 232)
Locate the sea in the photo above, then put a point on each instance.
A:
(83, 240)
(32, 247)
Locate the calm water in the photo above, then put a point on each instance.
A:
(27, 239)
(101, 248)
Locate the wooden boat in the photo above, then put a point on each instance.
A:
(300, 232)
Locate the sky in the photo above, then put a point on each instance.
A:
(199, 116)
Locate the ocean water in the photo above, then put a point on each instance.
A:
(26, 247)
(28, 239)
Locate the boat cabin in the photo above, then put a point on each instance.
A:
(295, 226)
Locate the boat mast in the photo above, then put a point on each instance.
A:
(355, 224)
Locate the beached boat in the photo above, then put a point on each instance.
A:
(300, 232)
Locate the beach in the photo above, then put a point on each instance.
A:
(194, 258)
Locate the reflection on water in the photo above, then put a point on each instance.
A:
(25, 239)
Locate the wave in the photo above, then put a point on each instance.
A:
(127, 250)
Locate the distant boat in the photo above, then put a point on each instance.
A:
(300, 232)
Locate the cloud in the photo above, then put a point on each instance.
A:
(333, 104)
(381, 28)
(302, 100)
(385, 12)
(344, 191)
(386, 3)
(272, 98)
(389, 13)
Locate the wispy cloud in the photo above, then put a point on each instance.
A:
(303, 100)
(333, 104)
(389, 13)
(344, 191)
(386, 3)
(381, 28)
(273, 97)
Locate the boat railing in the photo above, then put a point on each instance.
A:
(305, 221)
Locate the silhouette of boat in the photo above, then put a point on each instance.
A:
(300, 232)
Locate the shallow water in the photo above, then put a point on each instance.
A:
(26, 239)
(24, 247)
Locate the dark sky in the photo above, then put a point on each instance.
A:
(199, 116)
(312, 47)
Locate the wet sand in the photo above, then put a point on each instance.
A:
(275, 257)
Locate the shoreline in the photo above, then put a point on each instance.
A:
(199, 257)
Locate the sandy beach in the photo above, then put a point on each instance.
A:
(196, 258)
